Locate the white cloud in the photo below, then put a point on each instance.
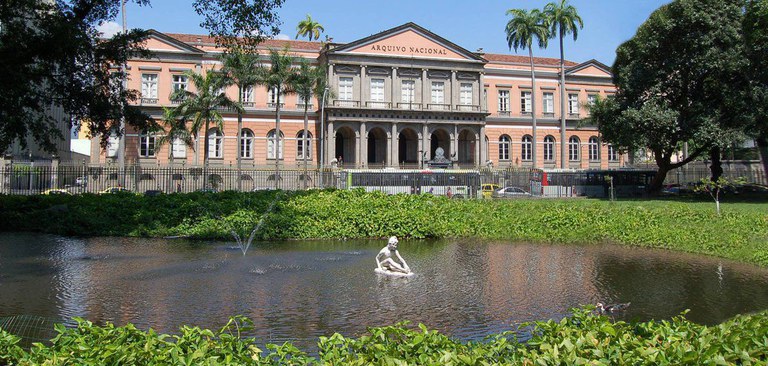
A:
(283, 37)
(109, 29)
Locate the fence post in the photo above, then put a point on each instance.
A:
(6, 164)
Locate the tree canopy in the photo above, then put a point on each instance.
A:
(52, 55)
(678, 81)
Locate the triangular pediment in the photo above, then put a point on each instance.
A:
(409, 40)
(592, 68)
(159, 42)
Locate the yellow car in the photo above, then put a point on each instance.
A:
(487, 190)
(56, 191)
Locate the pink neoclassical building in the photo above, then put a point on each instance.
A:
(397, 96)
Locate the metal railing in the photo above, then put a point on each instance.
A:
(409, 106)
(378, 104)
(439, 107)
(468, 108)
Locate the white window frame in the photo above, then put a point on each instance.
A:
(246, 144)
(526, 148)
(549, 148)
(149, 86)
(503, 100)
(271, 144)
(591, 98)
(465, 94)
(525, 102)
(438, 92)
(613, 154)
(505, 144)
(178, 149)
(408, 91)
(180, 82)
(147, 145)
(247, 94)
(573, 104)
(113, 143)
(377, 90)
(300, 145)
(215, 144)
(346, 87)
(548, 100)
(574, 149)
(594, 149)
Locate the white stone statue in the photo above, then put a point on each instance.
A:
(389, 261)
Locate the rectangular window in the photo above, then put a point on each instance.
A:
(573, 103)
(525, 102)
(613, 155)
(549, 103)
(345, 88)
(179, 82)
(300, 100)
(465, 94)
(377, 90)
(113, 143)
(504, 101)
(438, 92)
(591, 98)
(408, 91)
(247, 96)
(149, 88)
(179, 149)
(147, 148)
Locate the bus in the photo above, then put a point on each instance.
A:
(443, 182)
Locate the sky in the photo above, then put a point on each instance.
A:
(471, 24)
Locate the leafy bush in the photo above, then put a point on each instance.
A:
(741, 232)
(581, 339)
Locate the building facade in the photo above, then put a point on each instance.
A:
(402, 98)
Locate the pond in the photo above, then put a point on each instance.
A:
(297, 291)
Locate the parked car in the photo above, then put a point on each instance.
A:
(511, 192)
(115, 190)
(487, 190)
(56, 192)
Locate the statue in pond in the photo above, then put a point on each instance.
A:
(389, 261)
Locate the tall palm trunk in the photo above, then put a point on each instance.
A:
(277, 139)
(562, 101)
(304, 138)
(205, 152)
(239, 141)
(533, 109)
(762, 147)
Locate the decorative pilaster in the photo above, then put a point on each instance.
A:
(363, 146)
(394, 146)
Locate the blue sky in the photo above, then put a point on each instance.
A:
(470, 24)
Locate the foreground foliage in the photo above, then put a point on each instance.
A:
(581, 339)
(741, 232)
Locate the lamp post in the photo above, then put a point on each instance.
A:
(322, 128)
(121, 142)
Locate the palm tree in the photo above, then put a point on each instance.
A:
(175, 128)
(521, 30)
(278, 77)
(309, 28)
(240, 67)
(562, 20)
(203, 106)
(309, 82)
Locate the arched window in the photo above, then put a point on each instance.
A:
(594, 149)
(146, 144)
(574, 145)
(300, 145)
(549, 148)
(113, 143)
(613, 155)
(504, 144)
(271, 144)
(215, 143)
(246, 144)
(526, 148)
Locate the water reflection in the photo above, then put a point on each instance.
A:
(300, 290)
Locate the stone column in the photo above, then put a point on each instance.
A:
(425, 90)
(478, 158)
(394, 147)
(332, 81)
(481, 93)
(331, 145)
(453, 96)
(362, 86)
(425, 142)
(483, 148)
(363, 146)
(393, 83)
(455, 141)
(54, 172)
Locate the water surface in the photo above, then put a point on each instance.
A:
(301, 290)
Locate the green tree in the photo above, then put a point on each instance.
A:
(240, 66)
(239, 22)
(677, 82)
(309, 28)
(278, 77)
(204, 106)
(308, 82)
(174, 129)
(756, 47)
(562, 19)
(521, 30)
